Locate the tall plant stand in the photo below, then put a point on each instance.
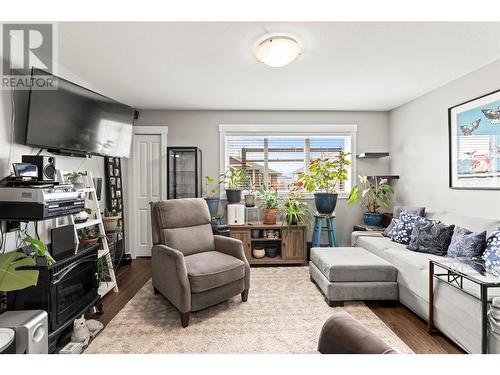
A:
(92, 203)
(319, 228)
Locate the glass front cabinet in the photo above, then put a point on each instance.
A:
(184, 172)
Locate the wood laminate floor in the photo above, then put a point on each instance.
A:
(404, 323)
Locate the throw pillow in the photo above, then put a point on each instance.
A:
(388, 231)
(430, 237)
(420, 211)
(465, 243)
(401, 232)
(491, 254)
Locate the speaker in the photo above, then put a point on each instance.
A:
(46, 166)
(32, 330)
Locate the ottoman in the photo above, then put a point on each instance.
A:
(352, 274)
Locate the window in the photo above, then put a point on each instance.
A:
(276, 158)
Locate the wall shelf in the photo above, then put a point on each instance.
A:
(372, 155)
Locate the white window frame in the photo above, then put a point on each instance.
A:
(306, 130)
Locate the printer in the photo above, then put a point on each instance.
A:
(31, 203)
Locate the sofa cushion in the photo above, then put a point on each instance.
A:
(491, 253)
(420, 211)
(402, 230)
(189, 240)
(430, 237)
(465, 243)
(355, 264)
(212, 269)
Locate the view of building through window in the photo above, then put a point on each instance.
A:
(277, 160)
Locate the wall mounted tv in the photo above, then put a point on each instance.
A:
(74, 120)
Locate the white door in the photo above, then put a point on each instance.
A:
(148, 181)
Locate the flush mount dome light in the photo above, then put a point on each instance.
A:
(278, 50)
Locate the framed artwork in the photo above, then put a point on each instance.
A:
(474, 138)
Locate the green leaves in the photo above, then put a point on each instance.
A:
(374, 193)
(270, 198)
(325, 173)
(11, 277)
(39, 248)
(236, 178)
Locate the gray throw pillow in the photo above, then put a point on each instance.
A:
(420, 211)
(467, 244)
(430, 237)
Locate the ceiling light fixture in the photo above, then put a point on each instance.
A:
(277, 50)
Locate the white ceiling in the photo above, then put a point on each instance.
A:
(344, 66)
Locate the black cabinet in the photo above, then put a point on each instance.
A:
(184, 172)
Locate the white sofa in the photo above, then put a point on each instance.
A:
(456, 314)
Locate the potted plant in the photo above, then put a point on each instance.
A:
(322, 177)
(77, 178)
(270, 203)
(374, 194)
(89, 236)
(250, 196)
(13, 275)
(295, 210)
(235, 182)
(103, 273)
(83, 216)
(212, 198)
(110, 220)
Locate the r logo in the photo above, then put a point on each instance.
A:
(25, 46)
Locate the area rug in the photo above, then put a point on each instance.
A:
(284, 314)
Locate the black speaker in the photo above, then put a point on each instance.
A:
(46, 166)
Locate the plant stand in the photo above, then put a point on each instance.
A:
(93, 203)
(330, 228)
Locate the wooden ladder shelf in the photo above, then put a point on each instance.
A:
(92, 203)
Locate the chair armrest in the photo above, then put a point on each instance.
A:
(342, 334)
(233, 247)
(170, 276)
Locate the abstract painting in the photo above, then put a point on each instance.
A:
(474, 137)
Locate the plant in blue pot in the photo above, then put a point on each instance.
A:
(211, 195)
(323, 177)
(373, 193)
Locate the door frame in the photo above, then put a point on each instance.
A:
(132, 185)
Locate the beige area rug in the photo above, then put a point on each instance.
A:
(284, 314)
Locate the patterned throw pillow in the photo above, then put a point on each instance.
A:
(401, 232)
(491, 254)
(430, 237)
(465, 243)
(388, 231)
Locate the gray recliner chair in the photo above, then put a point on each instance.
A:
(193, 268)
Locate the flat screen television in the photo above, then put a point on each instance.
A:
(73, 119)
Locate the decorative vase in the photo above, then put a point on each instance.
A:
(270, 216)
(325, 202)
(213, 206)
(373, 219)
(255, 233)
(233, 195)
(110, 223)
(258, 252)
(271, 251)
(250, 200)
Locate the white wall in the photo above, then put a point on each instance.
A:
(200, 128)
(419, 148)
(94, 164)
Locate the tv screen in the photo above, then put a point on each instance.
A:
(73, 118)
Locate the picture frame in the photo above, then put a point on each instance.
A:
(474, 143)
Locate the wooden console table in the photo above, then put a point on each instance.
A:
(292, 243)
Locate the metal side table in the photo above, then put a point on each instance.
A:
(454, 271)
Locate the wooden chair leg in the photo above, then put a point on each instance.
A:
(244, 295)
(185, 319)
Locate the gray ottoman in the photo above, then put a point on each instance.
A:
(352, 274)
